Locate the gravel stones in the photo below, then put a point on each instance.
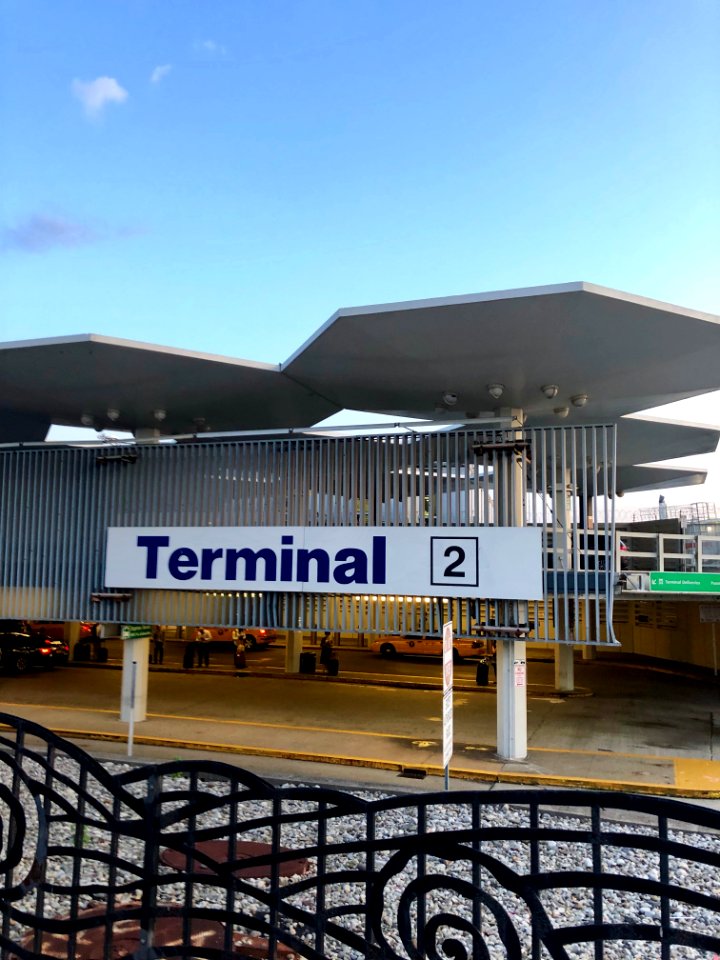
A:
(386, 874)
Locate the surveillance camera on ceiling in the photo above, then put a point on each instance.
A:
(449, 399)
(550, 390)
(496, 390)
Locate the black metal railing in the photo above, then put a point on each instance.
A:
(202, 859)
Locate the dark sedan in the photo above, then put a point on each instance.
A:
(59, 647)
(21, 651)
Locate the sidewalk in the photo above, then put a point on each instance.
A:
(660, 740)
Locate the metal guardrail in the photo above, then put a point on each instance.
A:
(152, 862)
(670, 552)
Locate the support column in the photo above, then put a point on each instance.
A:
(511, 700)
(71, 631)
(136, 657)
(148, 434)
(293, 649)
(562, 497)
(564, 668)
(511, 718)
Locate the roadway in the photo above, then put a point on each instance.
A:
(641, 729)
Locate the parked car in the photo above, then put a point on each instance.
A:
(21, 651)
(59, 647)
(420, 645)
(254, 637)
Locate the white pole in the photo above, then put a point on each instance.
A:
(131, 724)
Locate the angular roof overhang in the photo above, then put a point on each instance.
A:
(622, 353)
(75, 381)
(625, 353)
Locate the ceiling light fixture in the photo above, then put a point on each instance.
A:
(159, 414)
(550, 390)
(87, 420)
(113, 414)
(496, 390)
(561, 412)
(579, 400)
(449, 398)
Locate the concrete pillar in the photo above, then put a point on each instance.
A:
(564, 668)
(148, 434)
(293, 649)
(512, 699)
(136, 657)
(72, 631)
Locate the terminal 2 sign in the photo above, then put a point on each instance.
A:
(499, 562)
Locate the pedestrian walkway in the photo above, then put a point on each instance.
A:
(659, 738)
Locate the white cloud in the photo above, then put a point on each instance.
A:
(95, 94)
(160, 72)
(210, 48)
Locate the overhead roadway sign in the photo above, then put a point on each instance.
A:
(500, 562)
(135, 631)
(663, 582)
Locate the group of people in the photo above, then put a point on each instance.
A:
(198, 648)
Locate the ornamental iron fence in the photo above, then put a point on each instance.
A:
(200, 859)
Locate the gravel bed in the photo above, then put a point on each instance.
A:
(449, 876)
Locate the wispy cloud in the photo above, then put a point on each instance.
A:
(160, 73)
(210, 48)
(96, 94)
(41, 232)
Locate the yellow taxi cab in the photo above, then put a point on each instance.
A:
(419, 645)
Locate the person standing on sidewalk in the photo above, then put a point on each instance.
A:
(326, 650)
(95, 640)
(158, 640)
(203, 647)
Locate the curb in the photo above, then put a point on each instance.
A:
(459, 773)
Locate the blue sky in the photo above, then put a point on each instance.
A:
(223, 175)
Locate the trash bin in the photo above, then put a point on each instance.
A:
(102, 655)
(482, 677)
(333, 666)
(307, 662)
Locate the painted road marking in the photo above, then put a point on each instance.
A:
(697, 774)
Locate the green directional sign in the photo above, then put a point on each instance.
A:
(135, 631)
(663, 582)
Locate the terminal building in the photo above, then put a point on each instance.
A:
(230, 506)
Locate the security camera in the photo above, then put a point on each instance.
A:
(550, 390)
(449, 399)
(496, 390)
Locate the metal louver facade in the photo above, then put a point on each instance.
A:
(56, 503)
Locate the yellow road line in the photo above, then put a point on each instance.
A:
(492, 776)
(220, 720)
